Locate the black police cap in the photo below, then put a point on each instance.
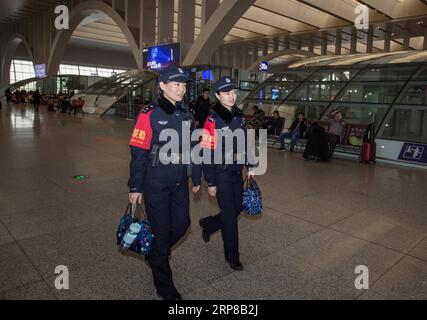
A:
(174, 74)
(225, 84)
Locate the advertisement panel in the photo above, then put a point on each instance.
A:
(161, 56)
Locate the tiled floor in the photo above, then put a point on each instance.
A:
(321, 221)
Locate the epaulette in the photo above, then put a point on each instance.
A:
(212, 116)
(148, 108)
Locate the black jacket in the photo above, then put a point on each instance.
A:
(224, 122)
(302, 128)
(36, 97)
(152, 121)
(201, 110)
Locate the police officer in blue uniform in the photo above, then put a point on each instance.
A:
(163, 186)
(225, 180)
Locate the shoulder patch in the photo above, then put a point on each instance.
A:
(212, 116)
(148, 108)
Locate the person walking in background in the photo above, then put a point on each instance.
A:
(202, 108)
(36, 100)
(8, 95)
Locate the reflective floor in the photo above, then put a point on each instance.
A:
(321, 221)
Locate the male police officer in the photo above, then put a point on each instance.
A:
(225, 179)
(164, 185)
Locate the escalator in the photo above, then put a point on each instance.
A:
(104, 94)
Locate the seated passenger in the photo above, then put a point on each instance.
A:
(275, 125)
(258, 121)
(296, 131)
(336, 131)
(258, 113)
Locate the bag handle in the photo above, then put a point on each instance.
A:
(138, 208)
(254, 185)
(246, 183)
(129, 210)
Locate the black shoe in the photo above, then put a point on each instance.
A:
(291, 150)
(205, 235)
(236, 265)
(281, 149)
(175, 296)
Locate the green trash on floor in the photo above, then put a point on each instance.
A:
(80, 177)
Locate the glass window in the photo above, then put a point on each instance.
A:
(312, 110)
(371, 92)
(386, 73)
(421, 74)
(317, 91)
(12, 73)
(361, 113)
(334, 75)
(275, 91)
(21, 70)
(292, 75)
(88, 71)
(406, 123)
(104, 72)
(415, 94)
(68, 69)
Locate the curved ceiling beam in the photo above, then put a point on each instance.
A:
(78, 14)
(213, 33)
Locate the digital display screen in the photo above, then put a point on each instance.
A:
(263, 66)
(40, 70)
(208, 75)
(274, 94)
(162, 56)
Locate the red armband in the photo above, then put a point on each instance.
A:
(143, 133)
(210, 136)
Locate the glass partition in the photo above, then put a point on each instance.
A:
(363, 92)
(317, 91)
(358, 113)
(335, 75)
(382, 73)
(296, 75)
(369, 92)
(416, 94)
(406, 123)
(421, 74)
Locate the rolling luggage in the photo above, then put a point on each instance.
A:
(369, 147)
(317, 147)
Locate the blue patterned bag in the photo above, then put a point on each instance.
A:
(252, 198)
(144, 242)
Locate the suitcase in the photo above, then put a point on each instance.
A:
(368, 152)
(317, 144)
(369, 147)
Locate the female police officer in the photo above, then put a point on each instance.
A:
(225, 179)
(163, 185)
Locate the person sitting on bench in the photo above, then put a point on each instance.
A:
(296, 131)
(275, 124)
(337, 130)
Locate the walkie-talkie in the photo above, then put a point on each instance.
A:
(154, 155)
